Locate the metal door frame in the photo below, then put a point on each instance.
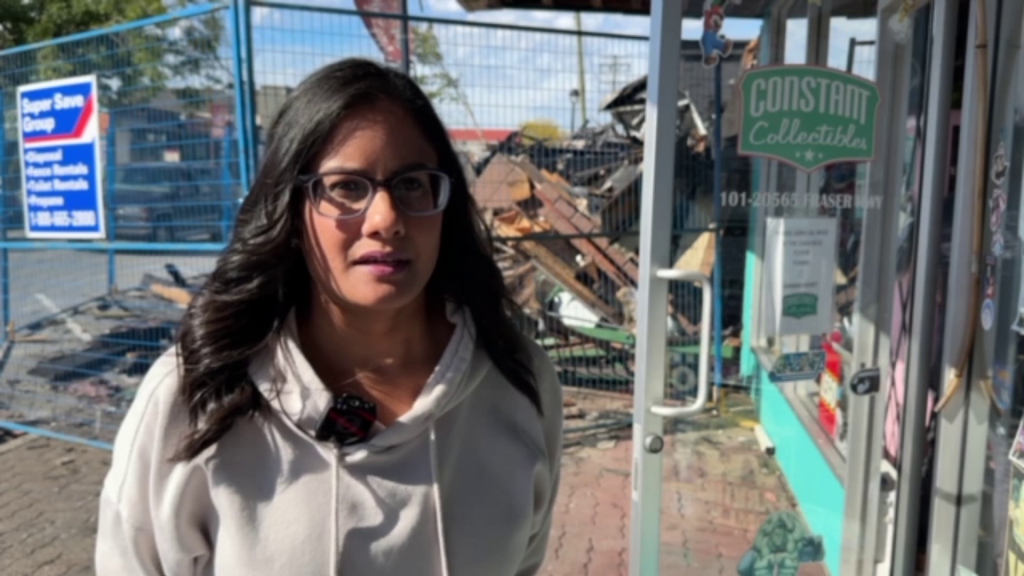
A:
(963, 427)
(872, 310)
(929, 221)
(657, 195)
(963, 422)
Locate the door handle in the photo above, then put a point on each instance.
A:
(705, 343)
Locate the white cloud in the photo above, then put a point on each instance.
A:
(841, 33)
(262, 16)
(441, 7)
(534, 18)
(796, 41)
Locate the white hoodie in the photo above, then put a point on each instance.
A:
(461, 485)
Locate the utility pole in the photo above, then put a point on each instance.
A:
(583, 80)
(403, 27)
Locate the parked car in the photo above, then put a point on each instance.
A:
(171, 202)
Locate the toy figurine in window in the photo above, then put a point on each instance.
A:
(713, 44)
(781, 545)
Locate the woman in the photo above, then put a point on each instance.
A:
(348, 393)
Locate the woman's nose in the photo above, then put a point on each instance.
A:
(383, 217)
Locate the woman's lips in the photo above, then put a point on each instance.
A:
(381, 263)
(385, 268)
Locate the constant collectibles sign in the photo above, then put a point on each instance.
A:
(807, 116)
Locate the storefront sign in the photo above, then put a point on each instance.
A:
(800, 265)
(59, 134)
(807, 116)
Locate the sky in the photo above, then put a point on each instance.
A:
(509, 77)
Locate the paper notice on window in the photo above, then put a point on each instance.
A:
(799, 272)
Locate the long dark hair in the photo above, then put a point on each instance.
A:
(262, 274)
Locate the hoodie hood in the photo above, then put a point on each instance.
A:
(285, 377)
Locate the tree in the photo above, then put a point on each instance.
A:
(131, 66)
(27, 21)
(427, 67)
(541, 131)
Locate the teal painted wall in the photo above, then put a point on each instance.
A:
(818, 492)
(748, 360)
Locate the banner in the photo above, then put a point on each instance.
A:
(59, 140)
(386, 32)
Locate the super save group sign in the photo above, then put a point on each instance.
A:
(807, 116)
(58, 129)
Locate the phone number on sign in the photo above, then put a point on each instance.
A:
(795, 200)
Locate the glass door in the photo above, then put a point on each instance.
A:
(980, 434)
(754, 476)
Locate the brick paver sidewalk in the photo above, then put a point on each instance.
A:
(49, 492)
(718, 489)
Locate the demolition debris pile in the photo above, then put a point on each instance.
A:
(564, 214)
(79, 369)
(565, 218)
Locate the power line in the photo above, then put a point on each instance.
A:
(613, 72)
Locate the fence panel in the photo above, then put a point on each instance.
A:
(84, 320)
(549, 124)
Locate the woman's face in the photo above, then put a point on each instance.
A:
(382, 259)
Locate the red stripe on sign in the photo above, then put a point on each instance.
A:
(83, 121)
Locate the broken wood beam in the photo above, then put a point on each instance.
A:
(560, 272)
(167, 290)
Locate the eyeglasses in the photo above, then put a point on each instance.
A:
(341, 195)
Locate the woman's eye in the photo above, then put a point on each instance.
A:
(410, 185)
(346, 188)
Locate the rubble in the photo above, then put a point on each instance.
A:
(564, 215)
(628, 107)
(565, 218)
(52, 375)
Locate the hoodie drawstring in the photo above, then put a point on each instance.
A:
(436, 489)
(335, 545)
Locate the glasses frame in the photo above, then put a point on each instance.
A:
(376, 184)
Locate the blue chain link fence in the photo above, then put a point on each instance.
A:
(549, 124)
(82, 319)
